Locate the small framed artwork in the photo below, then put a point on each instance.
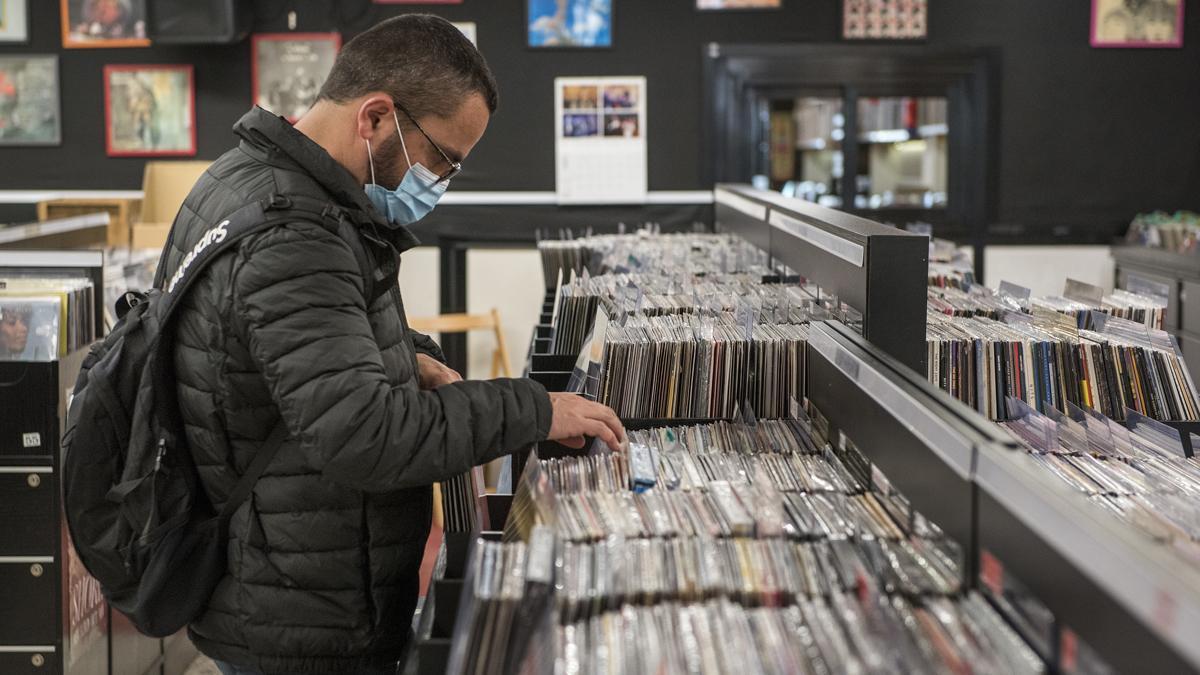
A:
(150, 110)
(1137, 23)
(14, 21)
(739, 4)
(566, 24)
(885, 19)
(29, 100)
(104, 23)
(289, 69)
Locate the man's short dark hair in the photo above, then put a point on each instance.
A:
(424, 62)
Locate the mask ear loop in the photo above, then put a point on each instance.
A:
(403, 145)
(370, 160)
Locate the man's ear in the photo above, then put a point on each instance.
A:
(375, 116)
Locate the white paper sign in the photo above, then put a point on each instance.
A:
(600, 140)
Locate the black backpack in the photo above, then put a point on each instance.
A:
(135, 508)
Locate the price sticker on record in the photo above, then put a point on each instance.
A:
(1068, 651)
(1164, 611)
(991, 573)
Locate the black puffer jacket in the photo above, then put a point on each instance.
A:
(324, 556)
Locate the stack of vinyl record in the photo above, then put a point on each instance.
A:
(684, 555)
(970, 302)
(647, 250)
(510, 599)
(624, 295)
(1140, 474)
(950, 275)
(1044, 360)
(676, 367)
(459, 498)
(1143, 309)
(561, 255)
(45, 318)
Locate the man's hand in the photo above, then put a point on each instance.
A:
(434, 373)
(576, 417)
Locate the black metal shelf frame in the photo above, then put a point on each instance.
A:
(1127, 597)
(878, 270)
(1130, 599)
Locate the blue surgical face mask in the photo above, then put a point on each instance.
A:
(414, 197)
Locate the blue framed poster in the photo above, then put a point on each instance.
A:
(585, 24)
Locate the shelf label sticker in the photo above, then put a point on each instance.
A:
(1068, 650)
(842, 359)
(991, 572)
(31, 440)
(845, 249)
(1165, 611)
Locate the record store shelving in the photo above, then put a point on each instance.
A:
(878, 270)
(1136, 605)
(1178, 277)
(1028, 540)
(54, 618)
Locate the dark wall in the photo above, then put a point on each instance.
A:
(1086, 136)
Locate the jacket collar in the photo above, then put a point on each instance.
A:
(273, 138)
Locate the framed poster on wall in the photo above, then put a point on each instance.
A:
(1137, 23)
(289, 69)
(580, 24)
(739, 4)
(14, 21)
(29, 100)
(150, 110)
(885, 19)
(104, 23)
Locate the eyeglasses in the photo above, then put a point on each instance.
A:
(455, 167)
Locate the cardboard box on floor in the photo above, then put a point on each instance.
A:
(165, 185)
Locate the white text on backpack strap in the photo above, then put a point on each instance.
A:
(213, 236)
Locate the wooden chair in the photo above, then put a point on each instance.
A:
(463, 323)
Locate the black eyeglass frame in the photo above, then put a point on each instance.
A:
(455, 167)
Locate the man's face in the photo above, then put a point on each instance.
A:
(14, 331)
(456, 135)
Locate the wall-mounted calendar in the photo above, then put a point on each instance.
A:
(600, 140)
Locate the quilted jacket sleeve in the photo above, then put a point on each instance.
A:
(298, 292)
(427, 346)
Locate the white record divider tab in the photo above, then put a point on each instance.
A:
(849, 251)
(956, 451)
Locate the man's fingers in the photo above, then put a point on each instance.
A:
(575, 442)
(609, 418)
(600, 430)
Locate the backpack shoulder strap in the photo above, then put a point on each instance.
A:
(250, 219)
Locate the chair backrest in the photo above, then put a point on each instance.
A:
(453, 323)
(462, 323)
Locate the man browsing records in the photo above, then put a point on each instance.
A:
(323, 557)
